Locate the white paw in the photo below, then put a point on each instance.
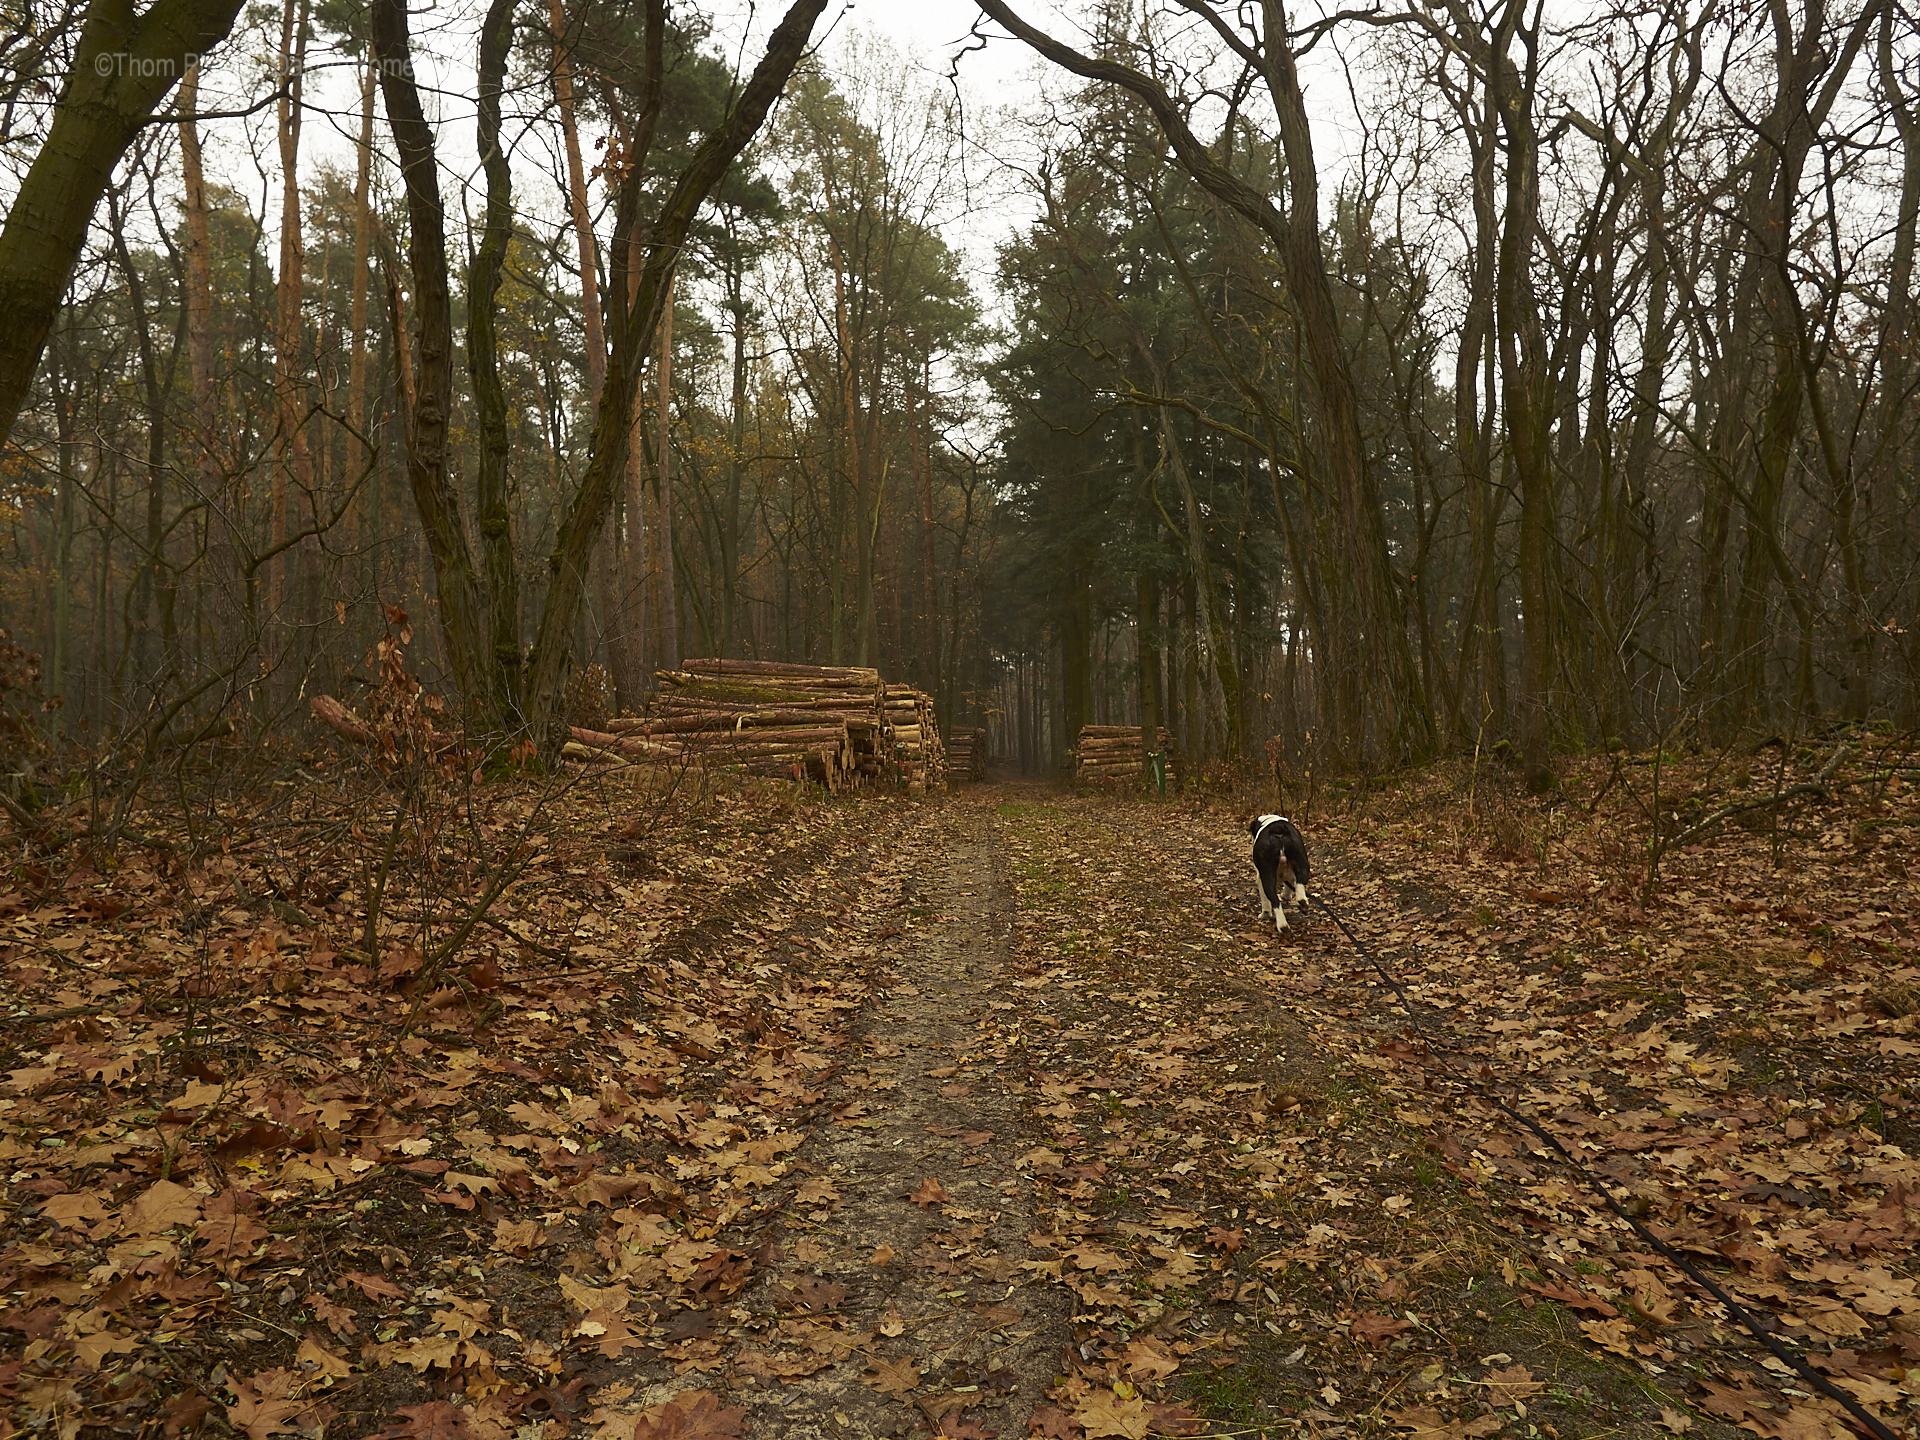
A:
(1299, 894)
(1279, 920)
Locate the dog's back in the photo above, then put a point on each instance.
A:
(1280, 857)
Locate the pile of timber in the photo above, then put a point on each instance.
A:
(967, 753)
(920, 758)
(1111, 753)
(838, 725)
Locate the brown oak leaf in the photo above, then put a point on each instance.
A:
(1511, 1384)
(1105, 1413)
(268, 1402)
(691, 1415)
(931, 1192)
(374, 1287)
(435, 1420)
(1376, 1330)
(896, 1377)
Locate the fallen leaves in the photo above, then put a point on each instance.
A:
(500, 1120)
(269, 1403)
(1709, 1076)
(692, 1415)
(1106, 1413)
(1240, 1150)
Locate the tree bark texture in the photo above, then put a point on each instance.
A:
(491, 493)
(435, 497)
(123, 67)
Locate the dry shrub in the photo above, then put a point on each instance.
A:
(589, 697)
(1506, 827)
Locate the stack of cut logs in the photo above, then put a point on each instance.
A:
(967, 754)
(1109, 753)
(915, 737)
(838, 725)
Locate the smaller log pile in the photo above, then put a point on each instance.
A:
(967, 754)
(1109, 754)
(919, 758)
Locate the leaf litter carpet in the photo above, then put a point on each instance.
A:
(997, 1116)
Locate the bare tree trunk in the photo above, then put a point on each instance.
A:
(582, 215)
(1758, 450)
(921, 452)
(1397, 717)
(209, 481)
(593, 500)
(1147, 625)
(292, 471)
(150, 580)
(491, 499)
(1403, 719)
(1630, 524)
(1482, 649)
(357, 321)
(730, 601)
(1527, 390)
(1210, 626)
(1899, 341)
(427, 376)
(68, 449)
(666, 606)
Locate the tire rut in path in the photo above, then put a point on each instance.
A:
(983, 1347)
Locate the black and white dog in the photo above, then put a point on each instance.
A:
(1280, 855)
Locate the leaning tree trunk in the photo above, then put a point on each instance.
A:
(1403, 713)
(1401, 716)
(606, 459)
(122, 68)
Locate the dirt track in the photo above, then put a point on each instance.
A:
(924, 1244)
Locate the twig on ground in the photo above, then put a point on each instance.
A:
(1822, 784)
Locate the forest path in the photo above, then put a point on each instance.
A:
(1000, 1114)
(921, 1250)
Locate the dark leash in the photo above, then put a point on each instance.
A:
(1755, 1327)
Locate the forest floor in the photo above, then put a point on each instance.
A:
(635, 1112)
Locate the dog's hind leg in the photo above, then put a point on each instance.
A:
(1267, 883)
(1270, 895)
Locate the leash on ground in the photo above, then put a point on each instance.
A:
(1667, 1252)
